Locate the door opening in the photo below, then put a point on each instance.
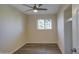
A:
(68, 37)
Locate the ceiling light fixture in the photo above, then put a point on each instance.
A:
(35, 10)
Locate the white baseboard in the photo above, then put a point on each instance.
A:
(59, 48)
(44, 42)
(17, 48)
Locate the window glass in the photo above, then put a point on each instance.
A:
(44, 24)
(40, 24)
(48, 24)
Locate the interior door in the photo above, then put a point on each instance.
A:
(78, 32)
(75, 29)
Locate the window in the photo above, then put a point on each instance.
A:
(44, 24)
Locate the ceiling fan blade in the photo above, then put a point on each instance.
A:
(40, 5)
(42, 9)
(27, 5)
(28, 10)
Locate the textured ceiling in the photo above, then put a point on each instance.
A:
(52, 8)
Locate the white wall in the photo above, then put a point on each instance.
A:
(41, 36)
(12, 29)
(60, 31)
(60, 27)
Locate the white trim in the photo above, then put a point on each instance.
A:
(17, 48)
(70, 19)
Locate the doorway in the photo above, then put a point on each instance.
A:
(68, 36)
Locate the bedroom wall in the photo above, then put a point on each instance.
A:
(13, 29)
(41, 36)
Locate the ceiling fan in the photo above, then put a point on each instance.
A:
(35, 8)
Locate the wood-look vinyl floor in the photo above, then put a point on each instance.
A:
(38, 48)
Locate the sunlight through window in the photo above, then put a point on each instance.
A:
(44, 24)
